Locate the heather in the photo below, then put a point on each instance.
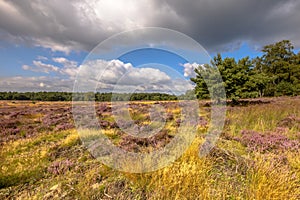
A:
(256, 156)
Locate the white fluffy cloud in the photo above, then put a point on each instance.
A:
(69, 68)
(189, 69)
(41, 83)
(41, 67)
(123, 77)
(99, 75)
(65, 61)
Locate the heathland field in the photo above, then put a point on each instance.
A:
(256, 157)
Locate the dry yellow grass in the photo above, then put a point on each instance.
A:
(230, 171)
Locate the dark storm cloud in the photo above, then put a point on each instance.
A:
(216, 24)
(58, 25)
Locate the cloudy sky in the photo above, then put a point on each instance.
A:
(43, 44)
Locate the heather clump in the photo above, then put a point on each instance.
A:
(267, 142)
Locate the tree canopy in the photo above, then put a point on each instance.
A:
(275, 73)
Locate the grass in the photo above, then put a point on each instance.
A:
(56, 165)
(23, 161)
(262, 117)
(271, 181)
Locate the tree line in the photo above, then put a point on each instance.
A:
(86, 96)
(275, 73)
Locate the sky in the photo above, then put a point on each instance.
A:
(98, 45)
